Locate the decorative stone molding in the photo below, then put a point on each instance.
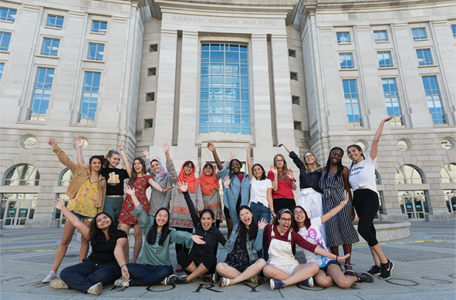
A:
(31, 7)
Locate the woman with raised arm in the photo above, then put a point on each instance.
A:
(310, 197)
(181, 218)
(365, 199)
(333, 182)
(329, 272)
(158, 200)
(114, 176)
(240, 263)
(140, 181)
(239, 188)
(283, 184)
(201, 261)
(155, 265)
(105, 263)
(87, 195)
(283, 269)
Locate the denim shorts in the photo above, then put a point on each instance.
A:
(82, 218)
(331, 262)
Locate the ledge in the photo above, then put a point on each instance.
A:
(388, 231)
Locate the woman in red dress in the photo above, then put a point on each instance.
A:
(140, 181)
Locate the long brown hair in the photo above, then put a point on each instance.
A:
(316, 165)
(282, 176)
(109, 155)
(134, 175)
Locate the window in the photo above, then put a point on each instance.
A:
(343, 37)
(291, 52)
(65, 177)
(380, 36)
(433, 99)
(55, 22)
(450, 197)
(297, 125)
(96, 52)
(352, 103)
(448, 173)
(16, 209)
(90, 97)
(150, 97)
(151, 71)
(392, 101)
(408, 175)
(99, 27)
(153, 48)
(5, 39)
(148, 123)
(57, 213)
(50, 47)
(424, 57)
(295, 100)
(414, 203)
(453, 29)
(224, 96)
(419, 34)
(384, 59)
(7, 14)
(2, 66)
(293, 76)
(42, 93)
(346, 61)
(22, 175)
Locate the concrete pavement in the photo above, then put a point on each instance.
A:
(425, 268)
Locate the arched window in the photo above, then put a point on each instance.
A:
(22, 175)
(378, 179)
(448, 173)
(409, 175)
(65, 177)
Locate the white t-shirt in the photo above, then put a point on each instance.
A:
(313, 236)
(259, 191)
(363, 175)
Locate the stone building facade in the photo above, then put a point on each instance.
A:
(309, 74)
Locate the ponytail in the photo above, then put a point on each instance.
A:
(360, 150)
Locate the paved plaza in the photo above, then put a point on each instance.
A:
(424, 269)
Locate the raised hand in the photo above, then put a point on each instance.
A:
(146, 153)
(273, 169)
(120, 144)
(166, 147)
(52, 143)
(79, 142)
(232, 154)
(262, 223)
(388, 119)
(280, 145)
(342, 258)
(226, 182)
(211, 147)
(247, 147)
(198, 240)
(130, 191)
(59, 204)
(157, 158)
(182, 186)
(290, 174)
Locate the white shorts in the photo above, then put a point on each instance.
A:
(287, 268)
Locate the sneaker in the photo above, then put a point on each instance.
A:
(119, 282)
(276, 284)
(49, 277)
(364, 277)
(350, 273)
(126, 283)
(58, 284)
(375, 270)
(308, 282)
(174, 279)
(212, 278)
(224, 282)
(95, 289)
(386, 270)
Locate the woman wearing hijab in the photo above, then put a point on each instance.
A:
(159, 175)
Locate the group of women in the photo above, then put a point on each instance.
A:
(259, 208)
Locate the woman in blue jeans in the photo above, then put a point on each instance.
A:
(261, 202)
(156, 265)
(105, 263)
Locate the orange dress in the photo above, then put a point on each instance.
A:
(140, 186)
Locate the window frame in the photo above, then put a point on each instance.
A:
(51, 39)
(88, 120)
(293, 98)
(385, 65)
(381, 40)
(38, 116)
(8, 14)
(55, 26)
(152, 98)
(2, 35)
(26, 179)
(97, 45)
(341, 42)
(352, 103)
(432, 94)
(397, 120)
(419, 38)
(99, 31)
(147, 122)
(352, 60)
(426, 64)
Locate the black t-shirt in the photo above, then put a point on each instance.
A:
(114, 180)
(103, 253)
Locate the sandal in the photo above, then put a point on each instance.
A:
(254, 279)
(348, 267)
(224, 282)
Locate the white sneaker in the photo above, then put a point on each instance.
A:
(95, 289)
(58, 284)
(119, 282)
(49, 277)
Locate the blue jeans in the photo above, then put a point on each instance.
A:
(82, 276)
(261, 212)
(146, 275)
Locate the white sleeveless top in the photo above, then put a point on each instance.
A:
(363, 175)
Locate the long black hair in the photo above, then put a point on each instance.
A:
(360, 150)
(207, 210)
(340, 167)
(231, 168)
(245, 233)
(152, 234)
(263, 176)
(97, 236)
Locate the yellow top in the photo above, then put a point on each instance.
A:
(84, 201)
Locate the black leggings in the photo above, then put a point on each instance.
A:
(185, 260)
(180, 247)
(366, 205)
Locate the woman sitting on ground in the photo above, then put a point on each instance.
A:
(283, 269)
(330, 272)
(107, 260)
(156, 265)
(240, 263)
